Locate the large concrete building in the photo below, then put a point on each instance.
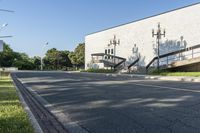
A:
(135, 39)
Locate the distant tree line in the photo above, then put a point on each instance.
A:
(54, 59)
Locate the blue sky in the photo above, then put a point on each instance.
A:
(64, 23)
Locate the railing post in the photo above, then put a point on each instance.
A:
(92, 59)
(192, 53)
(167, 60)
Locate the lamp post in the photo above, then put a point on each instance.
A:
(4, 10)
(41, 58)
(4, 25)
(114, 42)
(158, 35)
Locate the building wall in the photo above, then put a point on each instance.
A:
(183, 22)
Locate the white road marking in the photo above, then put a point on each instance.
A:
(140, 84)
(166, 87)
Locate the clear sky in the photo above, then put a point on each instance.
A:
(64, 23)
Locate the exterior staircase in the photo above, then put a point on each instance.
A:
(108, 60)
(187, 59)
(115, 62)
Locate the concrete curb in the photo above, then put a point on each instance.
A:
(165, 78)
(175, 78)
(32, 118)
(71, 126)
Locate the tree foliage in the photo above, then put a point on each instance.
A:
(57, 60)
(78, 56)
(9, 58)
(54, 59)
(37, 62)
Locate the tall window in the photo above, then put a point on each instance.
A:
(112, 52)
(105, 51)
(108, 51)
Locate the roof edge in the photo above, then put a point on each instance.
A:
(143, 18)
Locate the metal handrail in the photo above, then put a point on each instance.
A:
(176, 58)
(119, 63)
(134, 63)
(172, 53)
(115, 60)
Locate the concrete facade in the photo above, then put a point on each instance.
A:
(182, 30)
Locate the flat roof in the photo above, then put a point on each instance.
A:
(143, 18)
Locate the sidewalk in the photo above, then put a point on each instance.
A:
(169, 78)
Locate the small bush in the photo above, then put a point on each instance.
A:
(99, 70)
(157, 72)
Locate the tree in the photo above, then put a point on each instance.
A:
(55, 60)
(50, 59)
(73, 58)
(37, 62)
(64, 60)
(78, 56)
(23, 62)
(7, 56)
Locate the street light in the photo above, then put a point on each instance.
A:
(158, 35)
(4, 25)
(4, 10)
(114, 42)
(41, 58)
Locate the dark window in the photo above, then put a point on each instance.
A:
(108, 51)
(105, 51)
(112, 52)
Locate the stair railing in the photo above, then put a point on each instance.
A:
(132, 64)
(116, 60)
(192, 48)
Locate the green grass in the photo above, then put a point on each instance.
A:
(166, 73)
(13, 118)
(99, 70)
(192, 74)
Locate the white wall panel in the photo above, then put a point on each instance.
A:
(182, 22)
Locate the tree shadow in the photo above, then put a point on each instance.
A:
(137, 68)
(113, 104)
(169, 46)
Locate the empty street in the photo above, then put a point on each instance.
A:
(100, 103)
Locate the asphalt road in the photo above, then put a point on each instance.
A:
(104, 104)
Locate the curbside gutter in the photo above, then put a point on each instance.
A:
(65, 119)
(32, 118)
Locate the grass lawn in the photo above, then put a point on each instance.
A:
(13, 118)
(192, 74)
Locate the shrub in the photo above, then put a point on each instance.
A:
(98, 70)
